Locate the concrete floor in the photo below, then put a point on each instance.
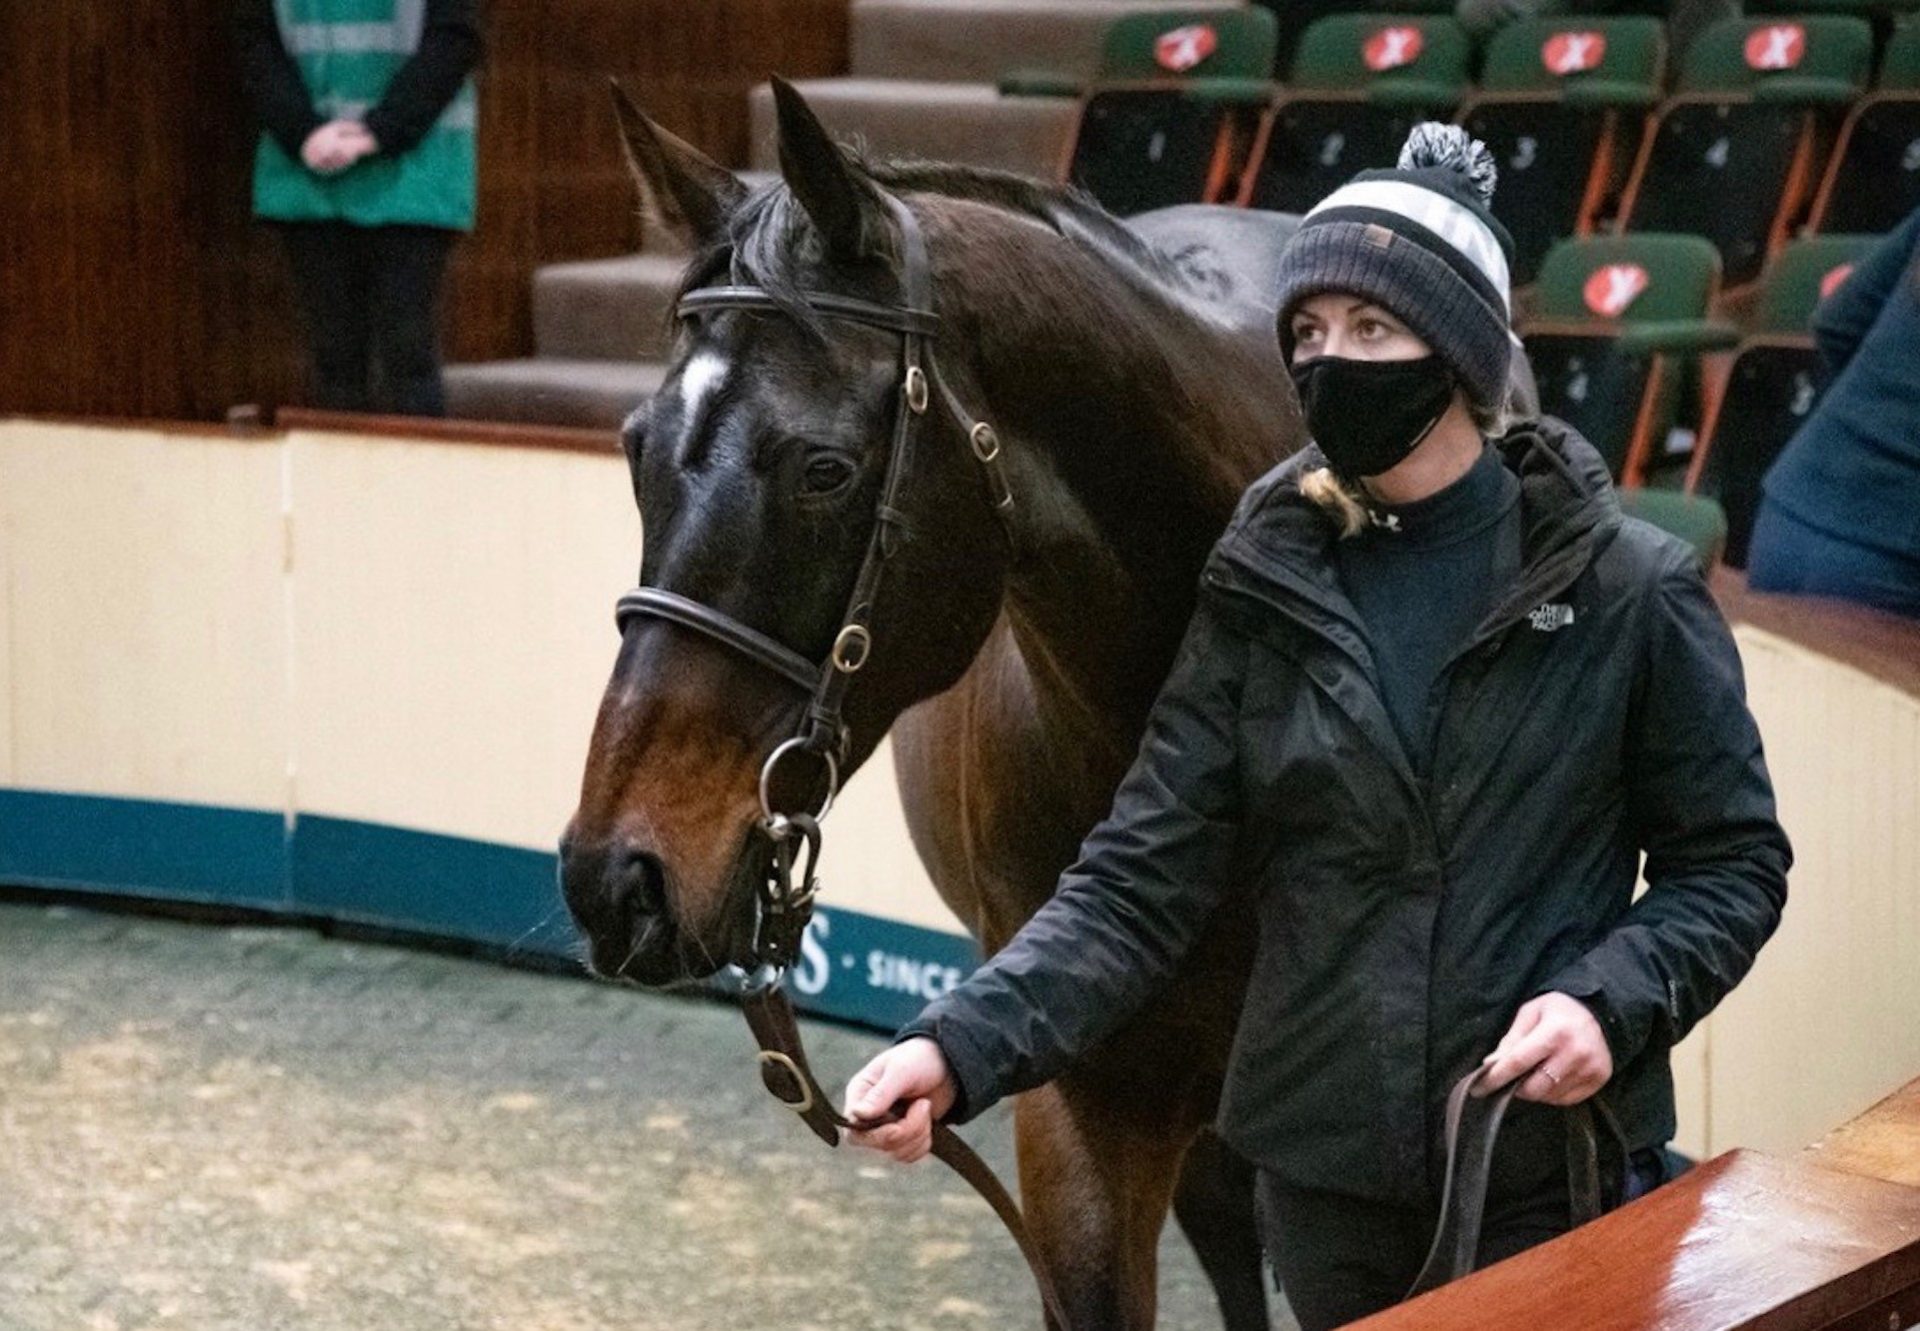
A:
(219, 1129)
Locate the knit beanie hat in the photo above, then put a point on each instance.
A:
(1418, 241)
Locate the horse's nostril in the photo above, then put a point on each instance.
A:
(643, 882)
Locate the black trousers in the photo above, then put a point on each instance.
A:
(1339, 1258)
(371, 297)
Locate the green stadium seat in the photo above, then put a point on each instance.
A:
(1617, 320)
(1773, 384)
(1360, 82)
(1732, 153)
(1563, 104)
(1175, 90)
(1874, 179)
(1696, 520)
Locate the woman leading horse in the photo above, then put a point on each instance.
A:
(1436, 699)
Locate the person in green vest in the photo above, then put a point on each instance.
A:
(366, 167)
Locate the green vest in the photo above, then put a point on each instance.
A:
(348, 52)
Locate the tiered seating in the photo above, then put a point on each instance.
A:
(925, 74)
(1151, 102)
(1617, 320)
(1563, 106)
(1774, 383)
(1359, 83)
(1159, 128)
(1732, 157)
(1874, 180)
(924, 84)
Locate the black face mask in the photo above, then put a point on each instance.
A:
(1368, 415)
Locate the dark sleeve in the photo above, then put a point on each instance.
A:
(1701, 803)
(1844, 317)
(1146, 881)
(450, 47)
(271, 79)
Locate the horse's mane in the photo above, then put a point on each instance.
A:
(770, 238)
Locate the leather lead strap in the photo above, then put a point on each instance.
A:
(786, 1073)
(1463, 1195)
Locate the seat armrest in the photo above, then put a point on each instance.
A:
(1038, 83)
(1678, 336)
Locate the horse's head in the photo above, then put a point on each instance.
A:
(758, 468)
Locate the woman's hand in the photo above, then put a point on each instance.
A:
(914, 1070)
(335, 146)
(1557, 1044)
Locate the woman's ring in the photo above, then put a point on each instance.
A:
(1549, 1076)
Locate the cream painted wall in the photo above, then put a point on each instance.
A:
(145, 631)
(1829, 1020)
(453, 629)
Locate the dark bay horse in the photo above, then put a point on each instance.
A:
(1135, 380)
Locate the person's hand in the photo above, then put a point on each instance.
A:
(914, 1070)
(1557, 1044)
(335, 146)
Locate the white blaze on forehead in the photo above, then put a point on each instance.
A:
(703, 374)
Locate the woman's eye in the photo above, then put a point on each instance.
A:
(827, 474)
(1369, 329)
(1306, 334)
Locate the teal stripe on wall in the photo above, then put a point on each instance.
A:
(853, 966)
(182, 852)
(452, 887)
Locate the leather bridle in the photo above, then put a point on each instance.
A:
(789, 885)
(824, 734)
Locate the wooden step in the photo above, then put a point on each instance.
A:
(592, 394)
(942, 122)
(606, 309)
(977, 41)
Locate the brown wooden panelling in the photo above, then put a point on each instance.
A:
(1744, 1242)
(132, 278)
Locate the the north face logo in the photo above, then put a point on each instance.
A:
(1777, 47)
(1393, 48)
(1178, 50)
(1613, 288)
(1551, 616)
(1573, 52)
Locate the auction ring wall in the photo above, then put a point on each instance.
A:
(352, 676)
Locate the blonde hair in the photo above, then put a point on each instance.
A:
(1344, 506)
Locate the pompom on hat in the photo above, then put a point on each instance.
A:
(1419, 241)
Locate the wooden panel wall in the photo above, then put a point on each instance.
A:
(132, 279)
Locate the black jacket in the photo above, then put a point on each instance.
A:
(450, 47)
(1598, 712)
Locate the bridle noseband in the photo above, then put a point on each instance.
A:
(785, 904)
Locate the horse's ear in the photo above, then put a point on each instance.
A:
(680, 186)
(842, 205)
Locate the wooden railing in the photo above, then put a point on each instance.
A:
(1829, 1238)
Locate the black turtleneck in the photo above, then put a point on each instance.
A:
(1422, 579)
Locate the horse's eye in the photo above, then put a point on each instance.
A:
(826, 473)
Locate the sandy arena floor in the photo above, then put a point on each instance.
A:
(232, 1129)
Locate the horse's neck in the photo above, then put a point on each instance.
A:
(1115, 511)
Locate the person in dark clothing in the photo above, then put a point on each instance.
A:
(1437, 697)
(1841, 516)
(366, 162)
